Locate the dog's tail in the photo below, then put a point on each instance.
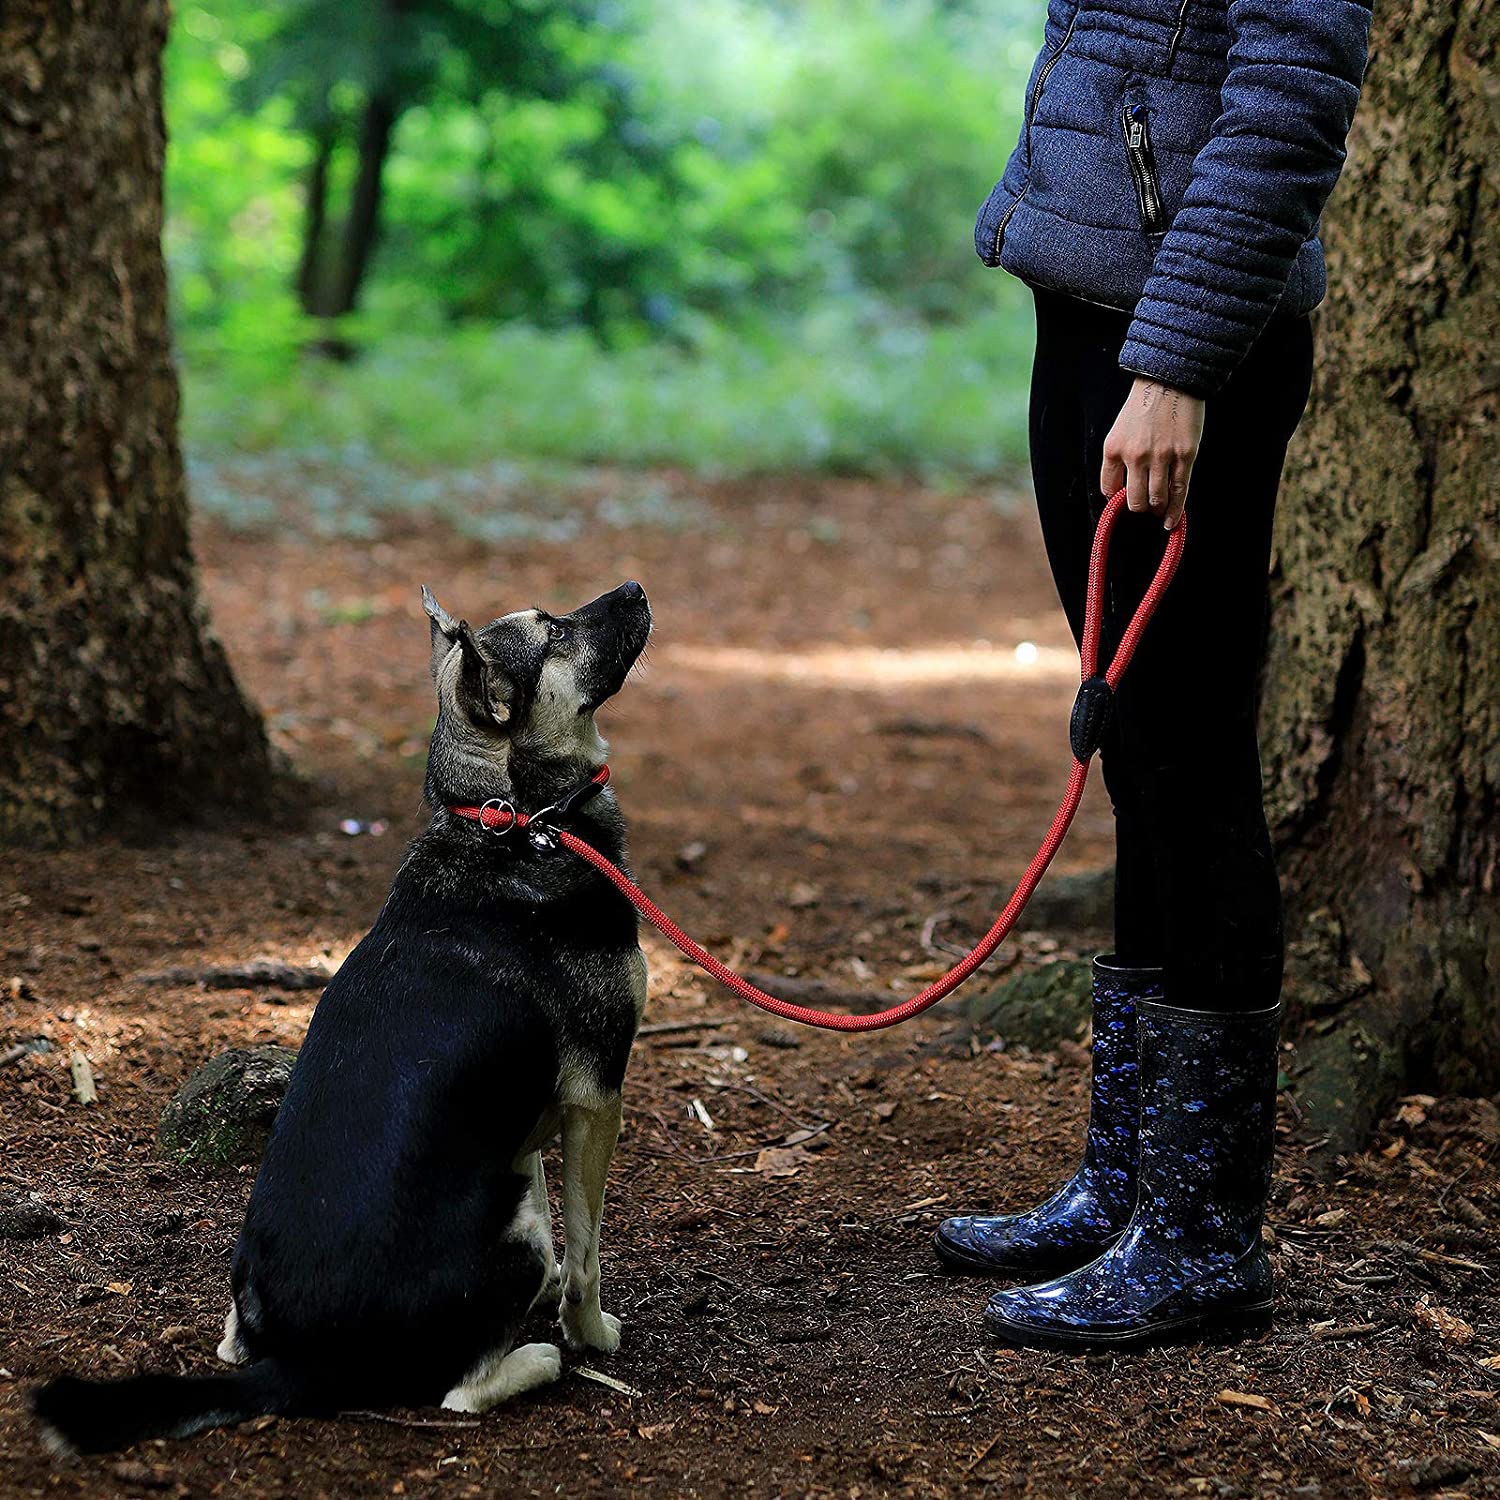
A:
(99, 1416)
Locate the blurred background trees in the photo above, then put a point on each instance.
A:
(351, 73)
(731, 233)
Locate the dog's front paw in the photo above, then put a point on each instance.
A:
(589, 1328)
(608, 1331)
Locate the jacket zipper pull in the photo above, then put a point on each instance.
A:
(1137, 134)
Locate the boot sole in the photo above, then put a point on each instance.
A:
(966, 1263)
(1207, 1327)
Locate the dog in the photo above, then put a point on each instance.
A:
(398, 1233)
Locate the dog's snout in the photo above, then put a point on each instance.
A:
(632, 592)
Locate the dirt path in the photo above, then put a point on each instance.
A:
(836, 741)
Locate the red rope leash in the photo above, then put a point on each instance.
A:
(500, 816)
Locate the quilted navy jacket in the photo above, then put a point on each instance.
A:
(1174, 158)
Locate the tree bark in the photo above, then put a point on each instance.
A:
(315, 217)
(115, 700)
(1381, 720)
(363, 224)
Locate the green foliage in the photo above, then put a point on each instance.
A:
(708, 232)
(828, 392)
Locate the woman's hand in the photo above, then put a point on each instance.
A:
(1152, 447)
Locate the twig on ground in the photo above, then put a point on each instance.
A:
(30, 1047)
(911, 1208)
(929, 929)
(599, 1378)
(381, 1416)
(819, 992)
(256, 974)
(811, 1131)
(983, 1454)
(745, 1088)
(670, 1028)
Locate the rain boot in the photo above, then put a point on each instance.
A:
(1190, 1264)
(1087, 1215)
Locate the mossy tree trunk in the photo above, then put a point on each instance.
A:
(1381, 720)
(115, 701)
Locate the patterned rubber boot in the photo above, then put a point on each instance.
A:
(1087, 1215)
(1190, 1264)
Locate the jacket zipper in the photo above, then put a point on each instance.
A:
(1182, 16)
(1031, 103)
(1142, 161)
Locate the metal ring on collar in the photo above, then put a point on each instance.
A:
(501, 806)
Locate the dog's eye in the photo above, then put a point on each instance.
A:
(557, 631)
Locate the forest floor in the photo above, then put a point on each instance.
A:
(835, 761)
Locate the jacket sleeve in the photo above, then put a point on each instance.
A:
(1256, 190)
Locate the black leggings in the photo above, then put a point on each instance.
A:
(1196, 889)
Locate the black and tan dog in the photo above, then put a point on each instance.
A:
(398, 1233)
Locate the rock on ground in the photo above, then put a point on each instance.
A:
(1038, 1009)
(222, 1115)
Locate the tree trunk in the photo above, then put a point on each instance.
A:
(1381, 721)
(114, 698)
(315, 217)
(363, 224)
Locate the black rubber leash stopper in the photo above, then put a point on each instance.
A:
(1090, 718)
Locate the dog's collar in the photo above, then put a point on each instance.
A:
(499, 816)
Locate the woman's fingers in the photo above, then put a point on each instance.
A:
(1112, 475)
(1133, 471)
(1138, 481)
(1181, 476)
(1159, 486)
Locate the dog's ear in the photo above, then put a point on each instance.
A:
(483, 691)
(444, 629)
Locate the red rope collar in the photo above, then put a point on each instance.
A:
(499, 816)
(1090, 713)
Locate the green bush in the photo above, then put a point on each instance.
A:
(746, 246)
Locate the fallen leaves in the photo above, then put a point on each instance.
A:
(89, 1292)
(1413, 1110)
(1249, 1399)
(782, 1161)
(1333, 1330)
